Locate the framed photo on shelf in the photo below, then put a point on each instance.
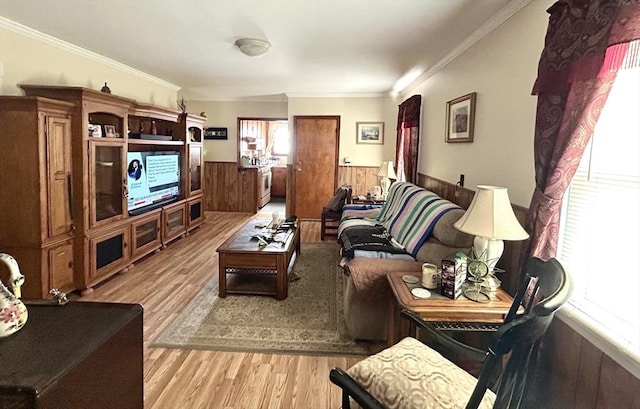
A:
(110, 131)
(370, 133)
(95, 130)
(461, 114)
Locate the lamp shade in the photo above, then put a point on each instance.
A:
(253, 47)
(490, 215)
(386, 170)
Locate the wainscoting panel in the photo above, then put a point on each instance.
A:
(361, 178)
(575, 374)
(228, 189)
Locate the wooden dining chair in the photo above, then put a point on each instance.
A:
(332, 212)
(411, 374)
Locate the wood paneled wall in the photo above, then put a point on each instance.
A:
(361, 178)
(577, 375)
(229, 189)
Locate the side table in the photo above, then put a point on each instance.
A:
(364, 200)
(444, 313)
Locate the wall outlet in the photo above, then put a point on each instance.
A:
(461, 181)
(347, 160)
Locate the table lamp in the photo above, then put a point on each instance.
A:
(386, 172)
(491, 220)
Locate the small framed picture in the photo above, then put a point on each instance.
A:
(110, 131)
(370, 133)
(95, 131)
(461, 115)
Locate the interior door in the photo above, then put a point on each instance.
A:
(315, 163)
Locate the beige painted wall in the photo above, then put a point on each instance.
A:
(501, 68)
(27, 60)
(225, 115)
(352, 110)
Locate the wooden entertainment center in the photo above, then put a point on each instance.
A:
(63, 209)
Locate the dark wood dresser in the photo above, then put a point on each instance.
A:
(80, 355)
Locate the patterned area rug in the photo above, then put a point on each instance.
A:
(309, 321)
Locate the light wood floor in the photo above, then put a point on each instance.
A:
(164, 283)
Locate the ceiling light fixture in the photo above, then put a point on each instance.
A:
(253, 47)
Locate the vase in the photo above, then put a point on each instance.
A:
(13, 312)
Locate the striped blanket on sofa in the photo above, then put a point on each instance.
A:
(410, 213)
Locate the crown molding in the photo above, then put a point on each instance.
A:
(505, 13)
(65, 46)
(335, 94)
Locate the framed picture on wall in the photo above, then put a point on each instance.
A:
(370, 133)
(461, 113)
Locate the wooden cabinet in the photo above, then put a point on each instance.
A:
(60, 267)
(174, 221)
(98, 147)
(80, 140)
(108, 254)
(36, 212)
(278, 181)
(195, 213)
(82, 355)
(146, 234)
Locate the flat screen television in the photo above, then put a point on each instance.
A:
(153, 180)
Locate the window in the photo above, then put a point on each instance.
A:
(281, 140)
(599, 239)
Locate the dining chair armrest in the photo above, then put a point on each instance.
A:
(351, 388)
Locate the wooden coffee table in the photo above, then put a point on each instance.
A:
(444, 313)
(247, 268)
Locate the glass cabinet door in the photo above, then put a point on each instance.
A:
(107, 182)
(195, 168)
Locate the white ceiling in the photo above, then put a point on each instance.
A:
(319, 47)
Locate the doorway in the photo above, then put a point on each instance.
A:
(315, 162)
(264, 143)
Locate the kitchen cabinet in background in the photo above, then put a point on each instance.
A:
(278, 181)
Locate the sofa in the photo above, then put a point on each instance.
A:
(413, 227)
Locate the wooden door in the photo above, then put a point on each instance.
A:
(315, 163)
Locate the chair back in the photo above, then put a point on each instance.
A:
(347, 199)
(544, 289)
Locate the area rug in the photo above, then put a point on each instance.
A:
(309, 321)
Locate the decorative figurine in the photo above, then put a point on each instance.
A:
(106, 89)
(202, 114)
(13, 313)
(182, 105)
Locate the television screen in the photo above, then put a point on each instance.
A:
(153, 179)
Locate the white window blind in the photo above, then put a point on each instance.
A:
(599, 239)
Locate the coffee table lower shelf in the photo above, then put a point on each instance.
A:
(255, 281)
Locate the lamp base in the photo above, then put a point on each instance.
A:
(488, 250)
(384, 184)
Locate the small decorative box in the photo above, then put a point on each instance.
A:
(454, 274)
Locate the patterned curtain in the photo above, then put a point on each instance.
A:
(408, 131)
(584, 47)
